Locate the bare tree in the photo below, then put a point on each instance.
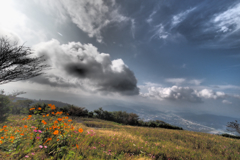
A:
(12, 55)
(234, 126)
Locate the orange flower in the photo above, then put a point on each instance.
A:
(77, 146)
(23, 119)
(80, 130)
(67, 114)
(1, 142)
(52, 106)
(47, 115)
(60, 119)
(31, 109)
(66, 117)
(65, 124)
(39, 108)
(25, 126)
(43, 115)
(29, 116)
(72, 127)
(4, 126)
(22, 134)
(57, 139)
(12, 137)
(56, 122)
(69, 120)
(44, 122)
(52, 112)
(56, 132)
(2, 137)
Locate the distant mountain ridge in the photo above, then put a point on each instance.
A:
(206, 123)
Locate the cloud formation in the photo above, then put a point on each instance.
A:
(183, 93)
(86, 68)
(173, 93)
(91, 16)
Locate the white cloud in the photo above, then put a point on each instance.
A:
(160, 32)
(175, 80)
(196, 81)
(172, 93)
(91, 16)
(182, 93)
(81, 65)
(178, 81)
(228, 21)
(210, 94)
(181, 16)
(133, 27)
(226, 102)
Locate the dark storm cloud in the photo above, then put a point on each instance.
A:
(94, 70)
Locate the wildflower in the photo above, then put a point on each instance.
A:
(33, 153)
(23, 118)
(29, 116)
(25, 126)
(94, 147)
(12, 137)
(33, 127)
(31, 109)
(45, 146)
(39, 131)
(35, 130)
(69, 120)
(38, 137)
(44, 122)
(26, 156)
(2, 137)
(40, 146)
(43, 115)
(55, 132)
(4, 126)
(77, 146)
(57, 139)
(80, 130)
(47, 115)
(56, 122)
(0, 141)
(60, 119)
(39, 108)
(22, 134)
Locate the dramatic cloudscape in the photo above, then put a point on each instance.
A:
(177, 57)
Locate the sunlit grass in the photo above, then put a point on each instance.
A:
(52, 135)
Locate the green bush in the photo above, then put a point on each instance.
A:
(4, 107)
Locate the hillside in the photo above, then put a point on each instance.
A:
(102, 139)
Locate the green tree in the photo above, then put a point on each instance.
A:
(4, 107)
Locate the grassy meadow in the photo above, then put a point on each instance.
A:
(56, 135)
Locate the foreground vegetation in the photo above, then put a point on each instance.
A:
(44, 131)
(90, 138)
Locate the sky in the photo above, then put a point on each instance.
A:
(168, 55)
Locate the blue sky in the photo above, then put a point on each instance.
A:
(182, 56)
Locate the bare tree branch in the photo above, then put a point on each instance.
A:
(14, 65)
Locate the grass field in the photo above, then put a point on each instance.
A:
(63, 137)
